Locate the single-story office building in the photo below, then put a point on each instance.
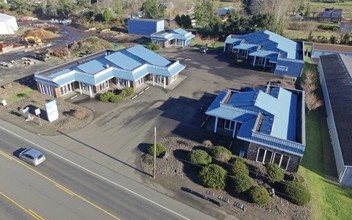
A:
(178, 37)
(130, 67)
(268, 50)
(270, 122)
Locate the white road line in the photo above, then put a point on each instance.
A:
(95, 174)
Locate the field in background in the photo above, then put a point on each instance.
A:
(346, 7)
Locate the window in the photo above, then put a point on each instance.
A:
(104, 85)
(268, 156)
(260, 156)
(282, 68)
(281, 160)
(229, 125)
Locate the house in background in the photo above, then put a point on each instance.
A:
(8, 24)
(346, 26)
(335, 73)
(145, 27)
(131, 67)
(177, 37)
(269, 50)
(319, 49)
(330, 15)
(270, 122)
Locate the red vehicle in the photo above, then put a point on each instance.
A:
(23, 19)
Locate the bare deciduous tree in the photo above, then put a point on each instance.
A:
(309, 85)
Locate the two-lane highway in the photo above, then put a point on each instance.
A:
(58, 189)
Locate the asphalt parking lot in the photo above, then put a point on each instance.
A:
(116, 136)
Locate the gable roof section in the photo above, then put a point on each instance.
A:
(5, 17)
(270, 42)
(148, 55)
(130, 64)
(276, 110)
(337, 70)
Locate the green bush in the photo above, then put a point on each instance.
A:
(105, 97)
(153, 46)
(116, 98)
(239, 167)
(127, 91)
(222, 154)
(241, 183)
(200, 157)
(275, 173)
(159, 149)
(328, 27)
(213, 176)
(259, 195)
(296, 193)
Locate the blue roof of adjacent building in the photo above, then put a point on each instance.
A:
(178, 33)
(272, 46)
(130, 64)
(275, 107)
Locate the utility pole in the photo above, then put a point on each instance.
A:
(154, 161)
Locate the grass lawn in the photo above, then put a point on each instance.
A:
(303, 35)
(329, 200)
(18, 96)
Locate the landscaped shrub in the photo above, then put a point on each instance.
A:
(275, 173)
(200, 157)
(153, 46)
(259, 195)
(222, 154)
(241, 183)
(213, 176)
(127, 91)
(105, 96)
(239, 167)
(159, 149)
(296, 193)
(116, 98)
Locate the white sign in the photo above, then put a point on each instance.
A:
(51, 111)
(4, 103)
(37, 111)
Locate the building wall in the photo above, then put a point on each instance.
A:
(294, 161)
(145, 27)
(331, 125)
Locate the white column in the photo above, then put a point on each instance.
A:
(164, 81)
(90, 91)
(247, 54)
(153, 79)
(254, 61)
(80, 88)
(216, 124)
(264, 61)
(234, 130)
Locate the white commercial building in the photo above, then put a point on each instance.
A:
(8, 24)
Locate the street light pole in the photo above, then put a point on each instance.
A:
(154, 161)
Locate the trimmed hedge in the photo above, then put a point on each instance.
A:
(213, 176)
(241, 183)
(116, 99)
(274, 172)
(153, 46)
(159, 149)
(105, 97)
(328, 27)
(259, 195)
(222, 154)
(127, 91)
(200, 157)
(239, 167)
(296, 193)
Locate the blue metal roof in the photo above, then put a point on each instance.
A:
(123, 61)
(180, 31)
(148, 55)
(245, 46)
(130, 64)
(231, 40)
(278, 109)
(289, 67)
(179, 34)
(263, 53)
